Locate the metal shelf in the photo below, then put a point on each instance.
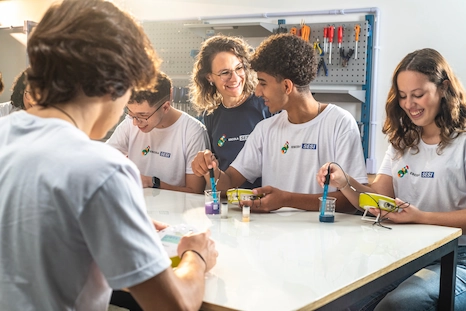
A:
(252, 29)
(339, 96)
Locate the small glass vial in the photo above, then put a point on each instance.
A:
(246, 212)
(224, 210)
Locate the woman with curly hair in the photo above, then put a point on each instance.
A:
(288, 148)
(222, 90)
(424, 165)
(20, 97)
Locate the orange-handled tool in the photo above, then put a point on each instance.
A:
(357, 29)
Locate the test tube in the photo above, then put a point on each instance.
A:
(246, 212)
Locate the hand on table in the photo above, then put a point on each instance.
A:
(159, 225)
(272, 199)
(407, 213)
(201, 243)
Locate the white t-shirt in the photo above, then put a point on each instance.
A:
(72, 219)
(6, 108)
(431, 182)
(288, 156)
(166, 153)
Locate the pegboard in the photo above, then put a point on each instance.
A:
(174, 44)
(355, 71)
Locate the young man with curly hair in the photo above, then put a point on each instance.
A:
(73, 220)
(288, 149)
(161, 140)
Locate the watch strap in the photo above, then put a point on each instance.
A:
(155, 182)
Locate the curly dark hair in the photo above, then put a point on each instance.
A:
(286, 56)
(203, 96)
(88, 46)
(17, 90)
(154, 96)
(451, 119)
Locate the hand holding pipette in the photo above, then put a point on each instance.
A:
(324, 197)
(213, 185)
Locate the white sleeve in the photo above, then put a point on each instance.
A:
(248, 162)
(120, 137)
(119, 233)
(198, 141)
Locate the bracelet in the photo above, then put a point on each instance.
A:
(347, 184)
(192, 250)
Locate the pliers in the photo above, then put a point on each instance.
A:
(322, 64)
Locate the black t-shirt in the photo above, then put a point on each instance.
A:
(228, 129)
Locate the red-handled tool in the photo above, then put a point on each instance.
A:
(331, 31)
(325, 39)
(357, 29)
(340, 39)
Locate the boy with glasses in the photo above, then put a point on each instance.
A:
(161, 140)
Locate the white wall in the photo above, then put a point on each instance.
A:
(13, 59)
(405, 25)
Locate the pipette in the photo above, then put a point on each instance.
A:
(324, 195)
(213, 185)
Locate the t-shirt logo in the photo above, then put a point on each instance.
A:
(285, 147)
(145, 151)
(403, 171)
(222, 140)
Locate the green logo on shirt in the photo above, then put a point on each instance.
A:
(221, 141)
(285, 147)
(403, 171)
(145, 151)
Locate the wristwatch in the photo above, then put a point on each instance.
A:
(155, 182)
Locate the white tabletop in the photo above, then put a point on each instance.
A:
(288, 260)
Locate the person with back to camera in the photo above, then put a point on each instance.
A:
(222, 89)
(161, 140)
(80, 226)
(2, 85)
(288, 148)
(425, 124)
(20, 97)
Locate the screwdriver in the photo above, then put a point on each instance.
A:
(357, 29)
(325, 39)
(331, 31)
(340, 39)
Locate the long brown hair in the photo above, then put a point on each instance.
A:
(451, 119)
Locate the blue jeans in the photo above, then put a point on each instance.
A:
(419, 291)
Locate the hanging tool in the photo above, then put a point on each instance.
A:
(318, 48)
(322, 65)
(330, 33)
(340, 39)
(357, 29)
(305, 31)
(345, 57)
(294, 31)
(325, 39)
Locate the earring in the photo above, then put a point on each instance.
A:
(211, 84)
